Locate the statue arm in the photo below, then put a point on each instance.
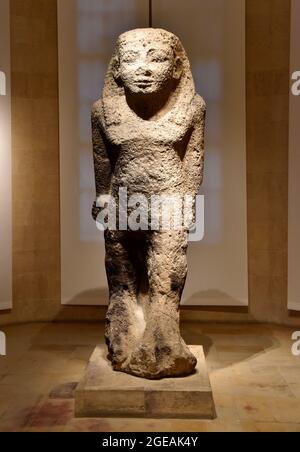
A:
(194, 157)
(102, 164)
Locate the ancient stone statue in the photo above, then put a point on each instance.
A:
(148, 137)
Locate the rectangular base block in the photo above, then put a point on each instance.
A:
(106, 393)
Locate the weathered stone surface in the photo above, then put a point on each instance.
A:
(148, 137)
(105, 393)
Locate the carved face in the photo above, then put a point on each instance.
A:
(147, 67)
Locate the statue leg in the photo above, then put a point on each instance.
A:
(162, 351)
(123, 325)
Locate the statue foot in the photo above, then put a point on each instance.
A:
(161, 362)
(161, 354)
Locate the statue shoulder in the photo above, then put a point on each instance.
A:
(97, 110)
(199, 106)
(98, 114)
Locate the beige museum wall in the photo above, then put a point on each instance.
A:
(35, 142)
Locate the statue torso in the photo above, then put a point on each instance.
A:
(147, 154)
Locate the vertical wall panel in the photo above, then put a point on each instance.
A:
(294, 170)
(35, 160)
(267, 63)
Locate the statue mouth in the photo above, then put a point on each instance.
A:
(144, 83)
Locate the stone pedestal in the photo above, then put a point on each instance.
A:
(106, 393)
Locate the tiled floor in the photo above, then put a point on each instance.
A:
(255, 379)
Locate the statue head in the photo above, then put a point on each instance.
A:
(147, 60)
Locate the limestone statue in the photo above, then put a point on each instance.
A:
(148, 137)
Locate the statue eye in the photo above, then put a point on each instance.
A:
(128, 60)
(129, 57)
(157, 57)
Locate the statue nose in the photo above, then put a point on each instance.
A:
(144, 70)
